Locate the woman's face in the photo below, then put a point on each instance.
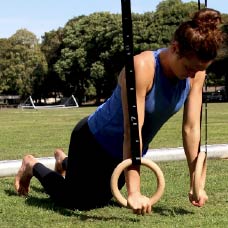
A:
(188, 66)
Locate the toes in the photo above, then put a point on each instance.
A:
(24, 175)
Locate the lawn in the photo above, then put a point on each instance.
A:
(39, 132)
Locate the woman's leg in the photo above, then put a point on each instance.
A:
(87, 181)
(24, 175)
(52, 182)
(89, 170)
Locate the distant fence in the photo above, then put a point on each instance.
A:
(9, 100)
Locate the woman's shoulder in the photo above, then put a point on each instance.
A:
(145, 60)
(148, 58)
(145, 69)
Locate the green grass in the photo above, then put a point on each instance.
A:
(173, 210)
(217, 130)
(40, 132)
(36, 132)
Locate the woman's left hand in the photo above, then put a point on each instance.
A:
(203, 198)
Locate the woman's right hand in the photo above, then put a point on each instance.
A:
(139, 203)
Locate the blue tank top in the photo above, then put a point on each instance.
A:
(162, 102)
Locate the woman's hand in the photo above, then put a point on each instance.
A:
(139, 203)
(202, 198)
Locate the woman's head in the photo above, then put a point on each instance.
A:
(201, 36)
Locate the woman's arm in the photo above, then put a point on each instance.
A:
(144, 71)
(191, 131)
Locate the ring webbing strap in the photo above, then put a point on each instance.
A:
(130, 80)
(205, 5)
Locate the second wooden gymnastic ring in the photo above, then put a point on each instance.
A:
(146, 162)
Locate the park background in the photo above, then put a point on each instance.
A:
(84, 57)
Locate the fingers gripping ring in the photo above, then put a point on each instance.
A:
(200, 171)
(146, 162)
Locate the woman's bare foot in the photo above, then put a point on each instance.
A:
(24, 175)
(59, 157)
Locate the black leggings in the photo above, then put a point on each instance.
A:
(89, 169)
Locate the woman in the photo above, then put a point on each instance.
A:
(166, 80)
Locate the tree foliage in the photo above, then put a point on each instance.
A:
(91, 50)
(85, 57)
(51, 48)
(22, 64)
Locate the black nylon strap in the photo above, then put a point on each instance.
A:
(130, 80)
(205, 4)
(201, 113)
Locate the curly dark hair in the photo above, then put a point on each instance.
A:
(200, 36)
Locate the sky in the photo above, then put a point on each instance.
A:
(40, 16)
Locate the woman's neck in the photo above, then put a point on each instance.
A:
(164, 57)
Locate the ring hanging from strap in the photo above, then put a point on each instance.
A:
(133, 116)
(145, 162)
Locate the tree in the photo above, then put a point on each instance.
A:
(22, 63)
(92, 42)
(169, 14)
(5, 46)
(52, 43)
(218, 70)
(85, 57)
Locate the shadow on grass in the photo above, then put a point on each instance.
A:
(10, 192)
(174, 211)
(48, 204)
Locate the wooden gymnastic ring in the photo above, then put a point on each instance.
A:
(146, 162)
(199, 171)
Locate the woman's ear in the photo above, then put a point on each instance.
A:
(175, 48)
